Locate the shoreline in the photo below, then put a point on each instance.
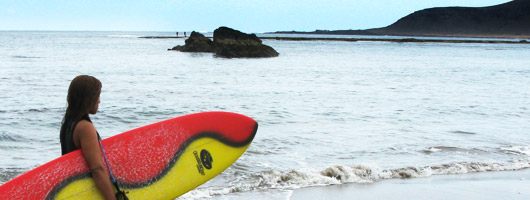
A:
(162, 37)
(482, 185)
(402, 40)
(367, 33)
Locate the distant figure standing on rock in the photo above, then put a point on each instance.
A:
(177, 34)
(184, 34)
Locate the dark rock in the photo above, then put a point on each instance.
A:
(231, 43)
(408, 40)
(196, 43)
(228, 43)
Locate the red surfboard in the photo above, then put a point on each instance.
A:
(158, 161)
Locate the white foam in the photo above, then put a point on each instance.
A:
(518, 150)
(340, 174)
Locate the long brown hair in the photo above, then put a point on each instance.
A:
(83, 94)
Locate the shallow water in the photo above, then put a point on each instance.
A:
(330, 112)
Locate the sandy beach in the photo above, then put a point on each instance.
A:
(512, 185)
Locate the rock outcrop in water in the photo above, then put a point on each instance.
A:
(231, 43)
(228, 43)
(196, 43)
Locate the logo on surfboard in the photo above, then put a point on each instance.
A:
(204, 161)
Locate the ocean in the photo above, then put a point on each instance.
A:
(329, 112)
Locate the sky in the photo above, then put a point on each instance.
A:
(253, 16)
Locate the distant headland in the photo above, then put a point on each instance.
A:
(508, 20)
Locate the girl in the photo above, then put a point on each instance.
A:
(78, 132)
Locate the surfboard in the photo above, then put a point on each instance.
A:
(159, 161)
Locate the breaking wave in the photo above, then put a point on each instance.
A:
(340, 174)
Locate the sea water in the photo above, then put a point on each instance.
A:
(329, 112)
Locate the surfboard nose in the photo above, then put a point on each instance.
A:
(234, 127)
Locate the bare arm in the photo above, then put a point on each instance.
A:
(87, 140)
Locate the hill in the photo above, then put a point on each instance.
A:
(511, 19)
(508, 19)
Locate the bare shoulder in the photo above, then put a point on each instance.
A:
(85, 129)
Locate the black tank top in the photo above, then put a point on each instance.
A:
(67, 143)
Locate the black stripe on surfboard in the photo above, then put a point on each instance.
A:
(167, 168)
(66, 182)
